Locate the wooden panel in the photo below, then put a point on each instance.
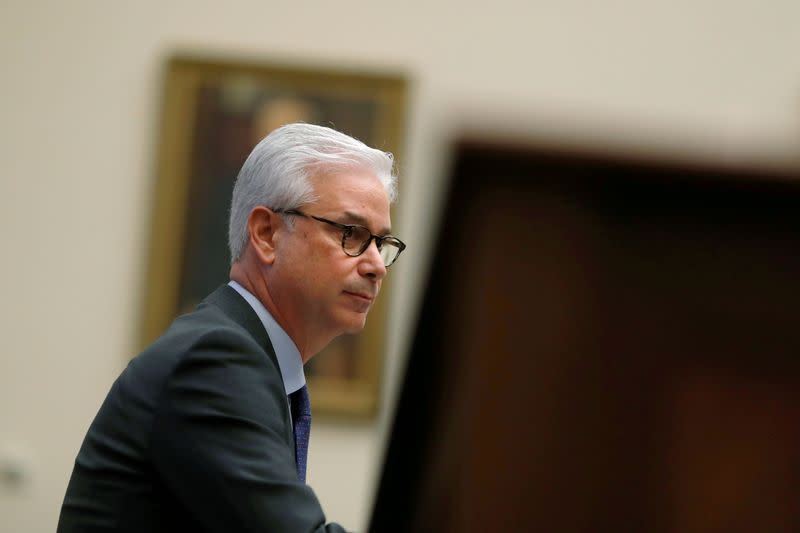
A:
(605, 344)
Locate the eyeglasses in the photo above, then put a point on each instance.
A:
(356, 239)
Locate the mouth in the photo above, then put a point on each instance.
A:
(363, 296)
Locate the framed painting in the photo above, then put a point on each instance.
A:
(213, 114)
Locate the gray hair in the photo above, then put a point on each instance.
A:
(276, 173)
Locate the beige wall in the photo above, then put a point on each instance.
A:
(79, 103)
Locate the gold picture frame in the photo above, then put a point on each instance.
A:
(213, 113)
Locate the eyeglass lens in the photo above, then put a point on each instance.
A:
(356, 241)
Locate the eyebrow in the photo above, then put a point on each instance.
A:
(353, 218)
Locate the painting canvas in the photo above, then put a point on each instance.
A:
(213, 114)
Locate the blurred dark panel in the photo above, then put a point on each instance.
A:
(604, 344)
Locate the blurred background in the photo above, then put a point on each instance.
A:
(81, 102)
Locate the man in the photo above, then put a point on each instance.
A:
(207, 429)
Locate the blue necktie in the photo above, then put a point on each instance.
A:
(301, 419)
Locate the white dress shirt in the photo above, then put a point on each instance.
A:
(289, 360)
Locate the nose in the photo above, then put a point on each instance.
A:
(371, 264)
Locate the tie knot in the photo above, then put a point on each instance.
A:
(301, 404)
(301, 422)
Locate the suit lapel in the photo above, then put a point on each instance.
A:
(232, 304)
(236, 307)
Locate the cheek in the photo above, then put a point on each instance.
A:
(321, 275)
(319, 266)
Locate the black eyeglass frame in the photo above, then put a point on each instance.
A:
(347, 231)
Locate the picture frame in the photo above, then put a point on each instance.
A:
(213, 113)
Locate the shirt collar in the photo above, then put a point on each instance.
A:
(289, 360)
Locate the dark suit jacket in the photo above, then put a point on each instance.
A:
(195, 435)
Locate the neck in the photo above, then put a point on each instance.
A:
(256, 284)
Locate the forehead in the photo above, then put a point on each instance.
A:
(354, 193)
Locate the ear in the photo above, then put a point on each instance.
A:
(261, 227)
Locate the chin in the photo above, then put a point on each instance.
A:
(354, 329)
(354, 324)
